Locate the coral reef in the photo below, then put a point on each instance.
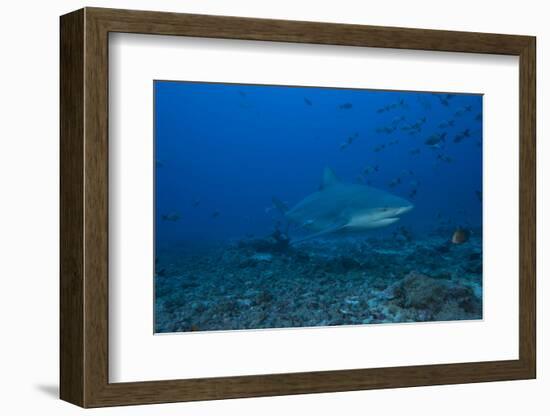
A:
(268, 283)
(432, 297)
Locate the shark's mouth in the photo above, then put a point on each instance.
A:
(393, 215)
(382, 222)
(377, 219)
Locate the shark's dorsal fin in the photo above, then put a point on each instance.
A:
(329, 178)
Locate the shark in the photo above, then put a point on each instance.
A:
(342, 208)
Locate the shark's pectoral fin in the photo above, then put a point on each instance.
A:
(329, 230)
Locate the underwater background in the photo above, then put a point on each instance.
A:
(231, 159)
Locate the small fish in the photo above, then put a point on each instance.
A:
(435, 140)
(444, 98)
(196, 202)
(345, 106)
(444, 158)
(460, 236)
(307, 101)
(385, 130)
(443, 101)
(174, 216)
(215, 214)
(479, 196)
(159, 164)
(461, 136)
(388, 107)
(352, 138)
(406, 172)
(379, 147)
(412, 193)
(460, 112)
(343, 145)
(421, 120)
(394, 182)
(402, 104)
(415, 151)
(279, 205)
(242, 93)
(446, 124)
(416, 127)
(414, 184)
(370, 169)
(393, 142)
(478, 117)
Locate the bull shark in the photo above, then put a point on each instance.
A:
(342, 208)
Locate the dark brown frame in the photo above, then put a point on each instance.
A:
(84, 209)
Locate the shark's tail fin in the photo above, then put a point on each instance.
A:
(280, 205)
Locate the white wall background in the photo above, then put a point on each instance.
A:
(29, 207)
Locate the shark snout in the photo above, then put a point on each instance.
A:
(396, 211)
(404, 209)
(378, 218)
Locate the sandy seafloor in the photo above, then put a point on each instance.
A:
(254, 284)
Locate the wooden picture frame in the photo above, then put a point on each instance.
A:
(84, 207)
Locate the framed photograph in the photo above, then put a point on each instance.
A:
(255, 207)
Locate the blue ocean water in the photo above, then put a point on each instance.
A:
(225, 152)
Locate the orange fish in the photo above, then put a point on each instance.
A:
(460, 236)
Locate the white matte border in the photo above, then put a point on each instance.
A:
(135, 354)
